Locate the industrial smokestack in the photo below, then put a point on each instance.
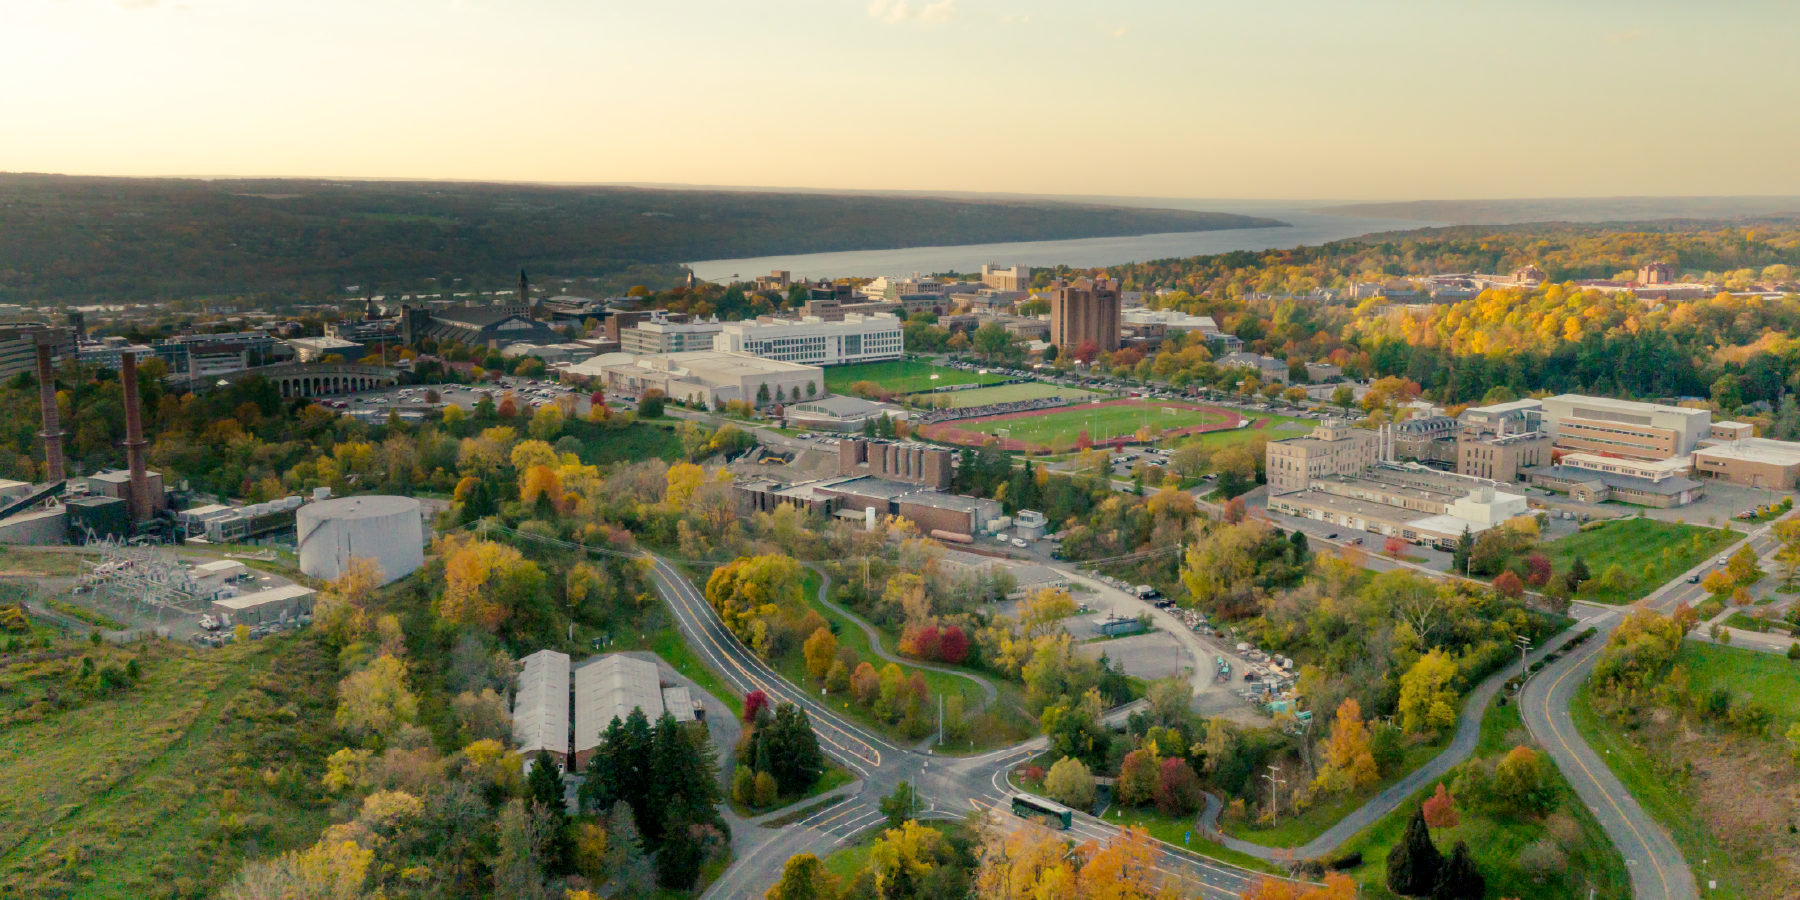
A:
(134, 439)
(52, 434)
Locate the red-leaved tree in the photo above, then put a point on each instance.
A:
(1440, 809)
(754, 702)
(1509, 584)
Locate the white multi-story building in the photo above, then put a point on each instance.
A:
(892, 289)
(815, 342)
(1623, 427)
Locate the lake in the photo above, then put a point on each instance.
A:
(1307, 228)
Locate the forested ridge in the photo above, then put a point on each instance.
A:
(79, 238)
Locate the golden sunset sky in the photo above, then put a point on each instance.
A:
(1385, 99)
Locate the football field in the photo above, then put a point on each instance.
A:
(1010, 393)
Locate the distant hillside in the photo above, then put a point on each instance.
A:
(1573, 209)
(70, 238)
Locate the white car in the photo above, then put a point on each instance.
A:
(1019, 543)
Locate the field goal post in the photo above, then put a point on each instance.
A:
(1168, 410)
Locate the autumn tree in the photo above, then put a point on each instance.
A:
(1349, 760)
(375, 701)
(821, 651)
(803, 877)
(1440, 809)
(750, 591)
(1070, 783)
(1427, 697)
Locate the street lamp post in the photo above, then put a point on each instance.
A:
(1274, 798)
(1523, 642)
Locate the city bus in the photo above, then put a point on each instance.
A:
(1051, 814)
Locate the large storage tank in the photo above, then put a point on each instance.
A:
(385, 529)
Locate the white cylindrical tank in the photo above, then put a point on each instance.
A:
(384, 529)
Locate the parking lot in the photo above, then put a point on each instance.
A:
(528, 393)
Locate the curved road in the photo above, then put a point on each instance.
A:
(987, 687)
(948, 787)
(1658, 871)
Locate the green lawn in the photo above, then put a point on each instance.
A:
(640, 440)
(1181, 832)
(1218, 440)
(1496, 838)
(1102, 423)
(1771, 680)
(902, 376)
(1636, 546)
(1009, 393)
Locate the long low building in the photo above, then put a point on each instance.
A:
(814, 341)
(1415, 504)
(712, 377)
(1590, 478)
(948, 516)
(540, 713)
(1755, 462)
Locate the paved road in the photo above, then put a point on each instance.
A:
(987, 687)
(1658, 871)
(948, 787)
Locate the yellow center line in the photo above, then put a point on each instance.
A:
(1551, 719)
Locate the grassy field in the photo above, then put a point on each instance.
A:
(1102, 423)
(1010, 393)
(1217, 440)
(162, 789)
(641, 440)
(1771, 680)
(901, 376)
(1497, 839)
(1637, 546)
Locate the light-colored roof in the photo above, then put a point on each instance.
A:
(1626, 405)
(1448, 525)
(1756, 450)
(541, 710)
(679, 702)
(272, 595)
(611, 687)
(220, 566)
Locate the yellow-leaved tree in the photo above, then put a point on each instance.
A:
(376, 700)
(1349, 756)
(752, 589)
(1427, 699)
(684, 480)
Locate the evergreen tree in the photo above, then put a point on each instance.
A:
(898, 807)
(1298, 539)
(794, 757)
(545, 784)
(1414, 864)
(1465, 546)
(1459, 879)
(679, 858)
(1578, 573)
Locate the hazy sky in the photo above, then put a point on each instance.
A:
(1384, 99)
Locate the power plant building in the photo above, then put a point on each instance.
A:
(386, 529)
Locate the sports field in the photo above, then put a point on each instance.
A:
(1011, 393)
(901, 376)
(1057, 430)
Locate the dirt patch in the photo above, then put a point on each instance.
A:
(1746, 791)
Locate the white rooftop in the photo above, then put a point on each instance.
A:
(611, 687)
(1757, 450)
(541, 709)
(272, 595)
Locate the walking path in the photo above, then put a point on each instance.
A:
(1462, 746)
(987, 687)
